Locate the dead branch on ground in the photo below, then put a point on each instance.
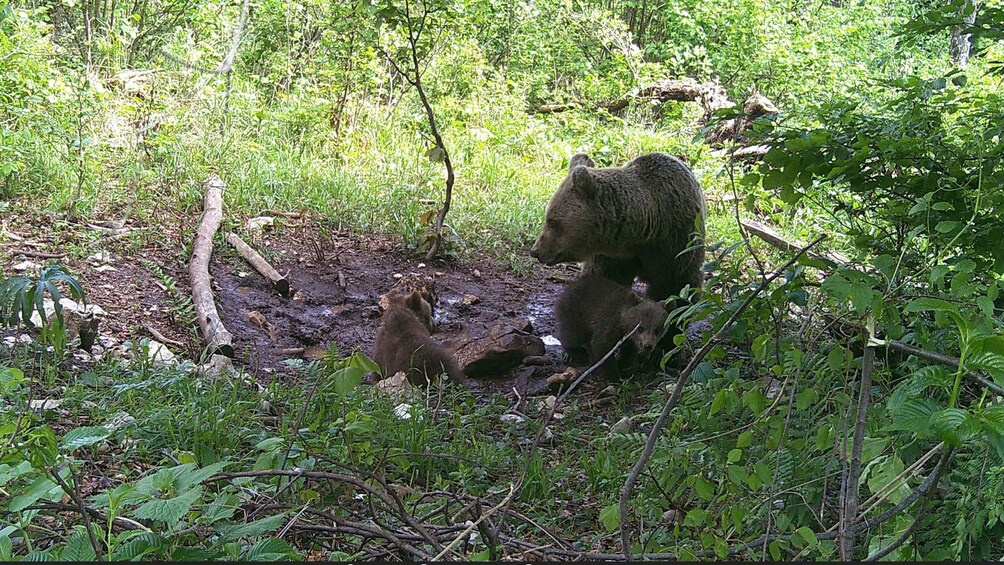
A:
(215, 333)
(279, 282)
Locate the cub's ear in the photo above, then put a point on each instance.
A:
(415, 301)
(583, 181)
(580, 160)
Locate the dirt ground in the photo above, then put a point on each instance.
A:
(337, 281)
(335, 296)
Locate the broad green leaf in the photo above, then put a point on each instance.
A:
(78, 548)
(43, 487)
(914, 415)
(192, 476)
(169, 511)
(234, 531)
(347, 379)
(745, 439)
(269, 549)
(882, 471)
(610, 517)
(82, 437)
(704, 488)
(808, 535)
(695, 518)
(6, 548)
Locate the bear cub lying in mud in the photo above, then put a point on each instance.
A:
(404, 342)
(594, 313)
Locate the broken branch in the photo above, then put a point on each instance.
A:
(215, 333)
(279, 282)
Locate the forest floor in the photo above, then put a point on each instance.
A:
(336, 281)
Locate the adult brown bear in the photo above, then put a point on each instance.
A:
(628, 221)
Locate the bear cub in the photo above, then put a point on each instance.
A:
(594, 313)
(404, 342)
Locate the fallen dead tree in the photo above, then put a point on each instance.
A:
(219, 340)
(711, 96)
(279, 282)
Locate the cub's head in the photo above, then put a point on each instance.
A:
(570, 222)
(652, 318)
(416, 304)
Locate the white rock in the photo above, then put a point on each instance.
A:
(550, 340)
(45, 404)
(512, 419)
(622, 426)
(216, 366)
(119, 420)
(99, 258)
(259, 222)
(160, 354)
(27, 266)
(403, 411)
(396, 385)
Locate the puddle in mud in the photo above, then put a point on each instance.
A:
(336, 304)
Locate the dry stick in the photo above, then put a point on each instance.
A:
(948, 362)
(387, 499)
(469, 529)
(660, 422)
(935, 475)
(161, 337)
(84, 515)
(850, 509)
(216, 335)
(38, 254)
(279, 282)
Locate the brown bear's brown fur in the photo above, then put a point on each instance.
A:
(628, 221)
(595, 312)
(404, 342)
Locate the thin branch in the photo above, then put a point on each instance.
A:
(84, 515)
(660, 423)
(850, 495)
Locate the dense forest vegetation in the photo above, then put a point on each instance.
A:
(836, 396)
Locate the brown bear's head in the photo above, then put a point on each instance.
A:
(570, 222)
(651, 316)
(416, 304)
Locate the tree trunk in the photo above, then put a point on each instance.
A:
(962, 43)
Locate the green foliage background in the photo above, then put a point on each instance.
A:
(108, 109)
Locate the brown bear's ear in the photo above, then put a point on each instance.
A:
(582, 180)
(580, 160)
(415, 301)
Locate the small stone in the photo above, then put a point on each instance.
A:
(45, 404)
(27, 266)
(160, 354)
(105, 269)
(99, 258)
(421, 265)
(512, 419)
(396, 385)
(119, 420)
(217, 366)
(671, 516)
(622, 426)
(403, 411)
(477, 274)
(255, 224)
(398, 276)
(470, 299)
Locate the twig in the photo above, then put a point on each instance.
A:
(850, 495)
(38, 254)
(84, 515)
(660, 423)
(948, 362)
(469, 529)
(161, 337)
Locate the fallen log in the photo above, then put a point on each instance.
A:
(279, 282)
(215, 333)
(768, 234)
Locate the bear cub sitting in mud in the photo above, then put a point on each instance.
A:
(623, 222)
(594, 313)
(404, 342)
